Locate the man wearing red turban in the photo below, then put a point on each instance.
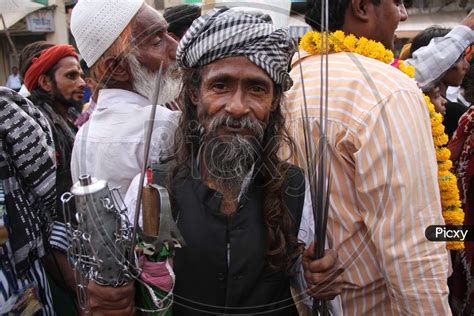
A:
(53, 76)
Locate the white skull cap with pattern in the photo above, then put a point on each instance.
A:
(96, 24)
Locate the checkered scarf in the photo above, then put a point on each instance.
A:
(27, 174)
(225, 33)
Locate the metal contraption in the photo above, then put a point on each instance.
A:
(105, 247)
(100, 244)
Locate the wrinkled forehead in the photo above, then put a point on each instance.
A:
(236, 68)
(148, 22)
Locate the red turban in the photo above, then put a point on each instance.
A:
(45, 61)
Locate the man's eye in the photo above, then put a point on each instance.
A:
(156, 41)
(218, 86)
(257, 89)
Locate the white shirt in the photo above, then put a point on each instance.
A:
(452, 93)
(13, 81)
(110, 146)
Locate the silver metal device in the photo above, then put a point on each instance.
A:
(100, 244)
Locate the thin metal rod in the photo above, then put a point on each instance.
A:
(323, 179)
(148, 135)
(306, 126)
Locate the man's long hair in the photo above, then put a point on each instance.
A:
(279, 224)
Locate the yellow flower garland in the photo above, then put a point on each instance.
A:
(340, 42)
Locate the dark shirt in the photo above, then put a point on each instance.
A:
(63, 132)
(223, 269)
(454, 111)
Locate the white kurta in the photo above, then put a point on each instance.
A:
(111, 145)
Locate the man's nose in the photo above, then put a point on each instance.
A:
(236, 106)
(172, 46)
(403, 13)
(82, 82)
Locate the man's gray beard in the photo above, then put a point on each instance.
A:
(229, 159)
(144, 81)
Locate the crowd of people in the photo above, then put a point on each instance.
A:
(235, 99)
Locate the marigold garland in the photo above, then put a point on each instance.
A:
(340, 42)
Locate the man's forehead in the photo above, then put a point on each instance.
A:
(148, 22)
(69, 63)
(236, 67)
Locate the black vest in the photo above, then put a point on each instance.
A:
(207, 281)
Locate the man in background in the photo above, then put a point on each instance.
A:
(180, 18)
(124, 50)
(384, 176)
(433, 60)
(125, 61)
(54, 78)
(14, 81)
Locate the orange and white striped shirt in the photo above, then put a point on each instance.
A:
(384, 184)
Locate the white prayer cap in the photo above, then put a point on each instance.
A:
(96, 24)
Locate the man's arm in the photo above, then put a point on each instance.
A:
(397, 189)
(435, 59)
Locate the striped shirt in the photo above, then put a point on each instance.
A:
(384, 184)
(27, 200)
(10, 283)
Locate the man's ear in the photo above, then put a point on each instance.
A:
(118, 69)
(360, 9)
(193, 95)
(275, 103)
(45, 83)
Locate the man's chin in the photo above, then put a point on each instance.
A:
(73, 104)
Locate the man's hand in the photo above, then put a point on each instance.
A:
(323, 276)
(469, 20)
(107, 300)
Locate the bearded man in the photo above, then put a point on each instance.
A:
(53, 76)
(124, 50)
(238, 205)
(124, 43)
(384, 174)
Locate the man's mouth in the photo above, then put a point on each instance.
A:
(236, 129)
(79, 94)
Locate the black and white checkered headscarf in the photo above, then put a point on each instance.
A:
(225, 33)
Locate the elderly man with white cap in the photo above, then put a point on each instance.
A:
(124, 43)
